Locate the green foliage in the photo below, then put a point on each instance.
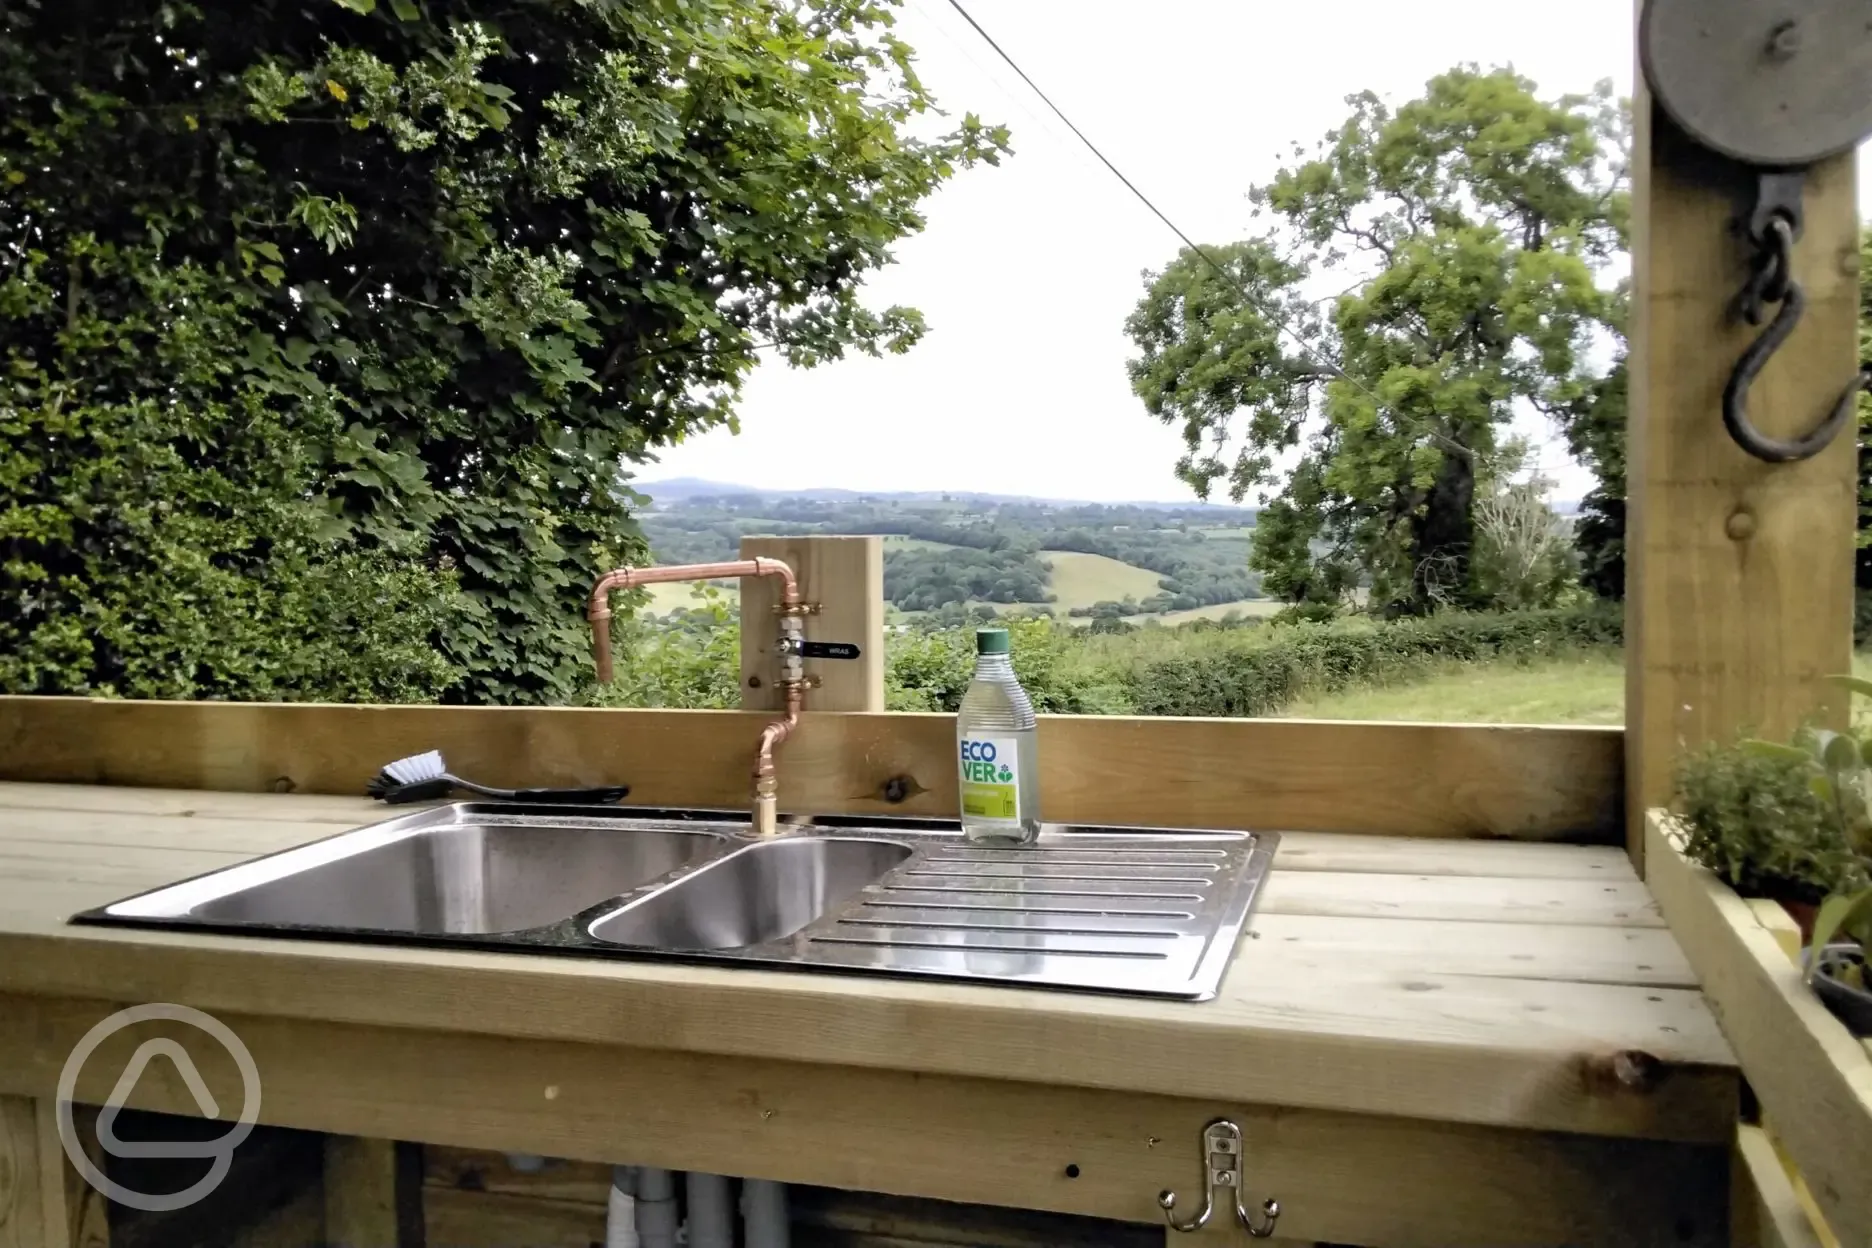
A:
(1837, 767)
(930, 671)
(1260, 671)
(690, 660)
(922, 580)
(1754, 820)
(161, 529)
(456, 266)
(1481, 223)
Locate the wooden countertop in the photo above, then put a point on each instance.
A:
(1500, 983)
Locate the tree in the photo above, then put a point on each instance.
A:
(1478, 223)
(460, 264)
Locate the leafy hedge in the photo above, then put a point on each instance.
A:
(1262, 672)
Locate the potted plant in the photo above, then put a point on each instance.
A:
(1753, 815)
(1837, 767)
(1836, 962)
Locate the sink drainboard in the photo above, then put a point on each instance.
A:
(1137, 918)
(1138, 911)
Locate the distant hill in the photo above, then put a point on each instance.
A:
(677, 490)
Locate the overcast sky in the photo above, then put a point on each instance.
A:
(1026, 272)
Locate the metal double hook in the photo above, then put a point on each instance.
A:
(1222, 1158)
(1772, 281)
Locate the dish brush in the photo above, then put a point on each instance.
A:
(425, 777)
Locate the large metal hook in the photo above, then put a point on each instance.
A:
(1773, 281)
(1222, 1156)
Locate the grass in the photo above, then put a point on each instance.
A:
(1080, 580)
(1589, 689)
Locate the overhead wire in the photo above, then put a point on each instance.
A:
(1279, 322)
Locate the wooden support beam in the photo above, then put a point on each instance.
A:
(1813, 1079)
(1739, 573)
(845, 577)
(44, 1202)
(360, 1186)
(1342, 1178)
(1765, 1212)
(1450, 780)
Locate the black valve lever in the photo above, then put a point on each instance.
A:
(828, 650)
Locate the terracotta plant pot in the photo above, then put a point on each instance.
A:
(1802, 912)
(1852, 1006)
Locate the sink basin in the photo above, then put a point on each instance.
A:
(1152, 912)
(483, 874)
(761, 893)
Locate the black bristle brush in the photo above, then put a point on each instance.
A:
(425, 777)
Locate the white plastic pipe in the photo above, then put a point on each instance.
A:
(656, 1208)
(764, 1206)
(711, 1212)
(621, 1212)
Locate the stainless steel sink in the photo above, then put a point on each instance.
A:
(754, 895)
(478, 870)
(1140, 911)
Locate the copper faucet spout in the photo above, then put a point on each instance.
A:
(598, 610)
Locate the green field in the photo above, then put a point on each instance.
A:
(1077, 580)
(1587, 690)
(1083, 580)
(1250, 607)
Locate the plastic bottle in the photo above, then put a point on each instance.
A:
(997, 744)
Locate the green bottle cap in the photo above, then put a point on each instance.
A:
(991, 641)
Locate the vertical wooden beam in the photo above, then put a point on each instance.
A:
(1739, 573)
(845, 576)
(44, 1202)
(22, 1209)
(360, 1193)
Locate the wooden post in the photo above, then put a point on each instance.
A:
(44, 1202)
(1739, 573)
(845, 576)
(361, 1193)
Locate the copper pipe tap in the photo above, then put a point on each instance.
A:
(791, 647)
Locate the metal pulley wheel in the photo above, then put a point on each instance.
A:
(1777, 85)
(1787, 82)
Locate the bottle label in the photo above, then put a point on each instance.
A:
(991, 778)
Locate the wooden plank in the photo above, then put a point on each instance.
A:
(70, 1200)
(485, 1170)
(1387, 779)
(1623, 903)
(1739, 576)
(1778, 923)
(1342, 1178)
(190, 803)
(1764, 1211)
(460, 1219)
(108, 832)
(1379, 1039)
(1572, 953)
(845, 576)
(44, 1202)
(1813, 1079)
(22, 1206)
(1347, 851)
(360, 1193)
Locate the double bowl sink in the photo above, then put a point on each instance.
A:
(1140, 911)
